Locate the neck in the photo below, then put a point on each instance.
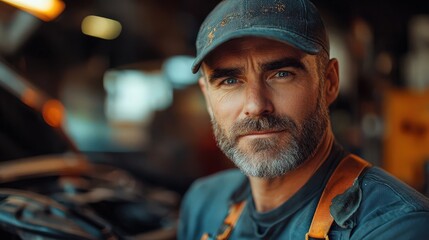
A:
(271, 193)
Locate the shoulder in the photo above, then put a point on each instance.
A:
(390, 208)
(206, 202)
(219, 185)
(380, 187)
(218, 180)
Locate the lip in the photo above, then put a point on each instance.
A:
(262, 133)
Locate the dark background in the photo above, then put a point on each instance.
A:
(153, 31)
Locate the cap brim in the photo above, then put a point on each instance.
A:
(287, 37)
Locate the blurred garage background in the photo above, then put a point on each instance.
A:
(110, 80)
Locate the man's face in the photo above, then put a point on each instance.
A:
(266, 103)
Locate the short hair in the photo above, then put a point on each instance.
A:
(322, 61)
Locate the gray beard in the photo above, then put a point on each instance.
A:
(268, 158)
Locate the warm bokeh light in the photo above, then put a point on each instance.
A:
(46, 10)
(53, 112)
(406, 137)
(30, 97)
(101, 27)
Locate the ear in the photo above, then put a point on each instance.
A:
(332, 81)
(203, 86)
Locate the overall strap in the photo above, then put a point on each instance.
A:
(343, 177)
(229, 222)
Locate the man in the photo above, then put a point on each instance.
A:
(268, 81)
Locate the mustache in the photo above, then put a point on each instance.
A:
(263, 123)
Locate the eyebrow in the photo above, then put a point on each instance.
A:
(285, 62)
(224, 72)
(269, 66)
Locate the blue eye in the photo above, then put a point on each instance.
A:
(282, 74)
(230, 81)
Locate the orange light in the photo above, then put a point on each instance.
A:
(53, 112)
(46, 10)
(30, 97)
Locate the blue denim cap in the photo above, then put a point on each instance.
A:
(295, 22)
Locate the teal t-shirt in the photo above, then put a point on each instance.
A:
(378, 206)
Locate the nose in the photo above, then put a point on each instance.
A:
(258, 100)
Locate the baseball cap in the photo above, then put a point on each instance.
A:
(295, 22)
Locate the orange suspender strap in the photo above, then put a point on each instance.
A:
(343, 177)
(229, 222)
